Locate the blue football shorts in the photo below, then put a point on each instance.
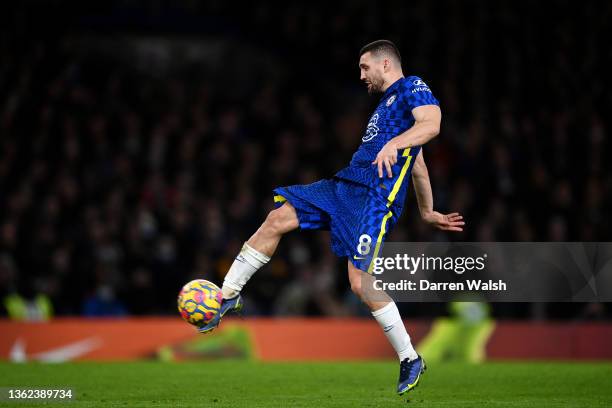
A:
(358, 217)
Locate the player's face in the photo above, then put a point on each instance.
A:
(372, 72)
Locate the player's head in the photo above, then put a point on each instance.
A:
(380, 64)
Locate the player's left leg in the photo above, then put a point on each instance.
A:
(388, 317)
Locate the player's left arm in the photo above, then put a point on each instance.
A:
(426, 126)
(422, 187)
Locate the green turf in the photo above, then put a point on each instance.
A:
(251, 384)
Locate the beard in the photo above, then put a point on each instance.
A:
(375, 86)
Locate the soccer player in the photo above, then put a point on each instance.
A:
(362, 202)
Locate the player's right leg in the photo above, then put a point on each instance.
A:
(255, 253)
(278, 222)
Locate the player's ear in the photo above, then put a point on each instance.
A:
(386, 65)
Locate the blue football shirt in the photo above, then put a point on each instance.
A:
(392, 116)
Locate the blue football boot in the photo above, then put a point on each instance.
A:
(410, 373)
(228, 306)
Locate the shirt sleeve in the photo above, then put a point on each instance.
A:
(417, 93)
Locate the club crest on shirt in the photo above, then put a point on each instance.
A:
(390, 100)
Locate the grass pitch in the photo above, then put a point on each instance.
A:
(356, 384)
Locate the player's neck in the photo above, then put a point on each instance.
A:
(392, 79)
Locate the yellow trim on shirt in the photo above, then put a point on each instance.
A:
(390, 199)
(398, 182)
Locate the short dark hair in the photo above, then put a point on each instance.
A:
(381, 47)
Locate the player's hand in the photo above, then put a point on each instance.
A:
(445, 222)
(386, 158)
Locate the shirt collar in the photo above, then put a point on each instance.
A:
(392, 88)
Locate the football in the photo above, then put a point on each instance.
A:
(199, 301)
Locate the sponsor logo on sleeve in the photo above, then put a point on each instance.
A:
(420, 86)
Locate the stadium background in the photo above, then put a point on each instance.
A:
(140, 143)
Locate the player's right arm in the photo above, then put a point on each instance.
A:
(424, 195)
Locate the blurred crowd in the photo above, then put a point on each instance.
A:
(128, 167)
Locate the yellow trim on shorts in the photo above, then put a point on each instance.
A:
(279, 199)
(383, 231)
(390, 199)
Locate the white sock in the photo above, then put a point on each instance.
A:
(248, 261)
(391, 322)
